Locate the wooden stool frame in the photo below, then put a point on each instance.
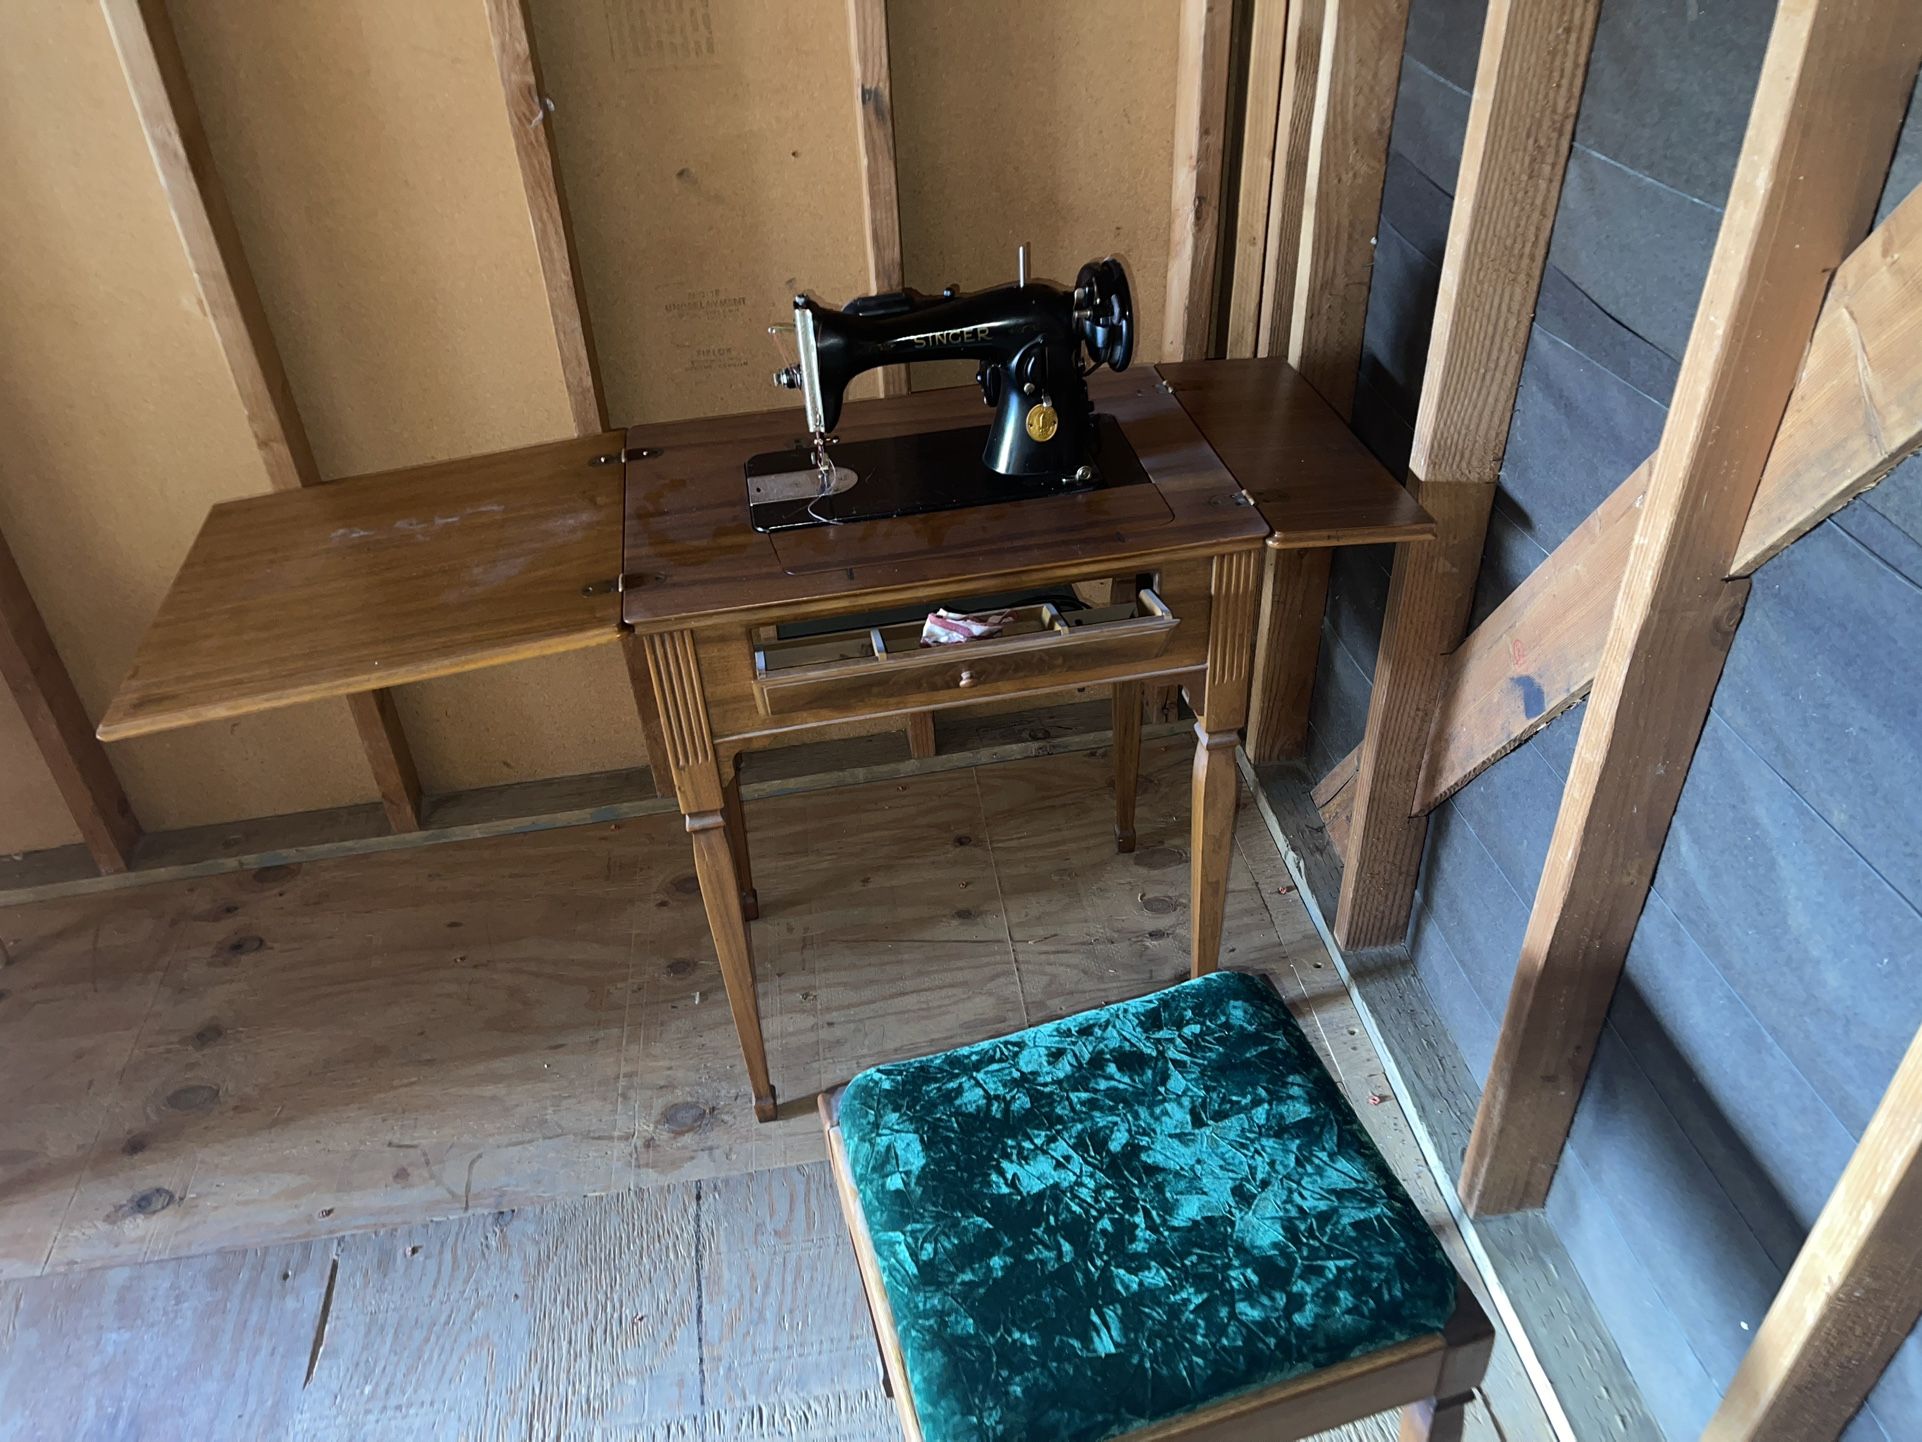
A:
(1431, 1377)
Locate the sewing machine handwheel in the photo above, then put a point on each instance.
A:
(1109, 334)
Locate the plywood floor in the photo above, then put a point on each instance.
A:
(452, 1143)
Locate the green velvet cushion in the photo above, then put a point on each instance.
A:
(1125, 1215)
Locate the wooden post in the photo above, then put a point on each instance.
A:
(1288, 189)
(530, 118)
(1201, 123)
(1527, 88)
(881, 210)
(1851, 1297)
(1359, 65)
(58, 722)
(880, 192)
(1834, 85)
(157, 82)
(1267, 34)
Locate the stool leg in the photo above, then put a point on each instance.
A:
(1211, 843)
(721, 895)
(1125, 705)
(736, 819)
(1435, 1421)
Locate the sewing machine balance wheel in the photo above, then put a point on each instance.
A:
(1107, 313)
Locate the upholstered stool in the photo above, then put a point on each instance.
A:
(1157, 1219)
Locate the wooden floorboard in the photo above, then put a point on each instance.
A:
(504, 1071)
(719, 1309)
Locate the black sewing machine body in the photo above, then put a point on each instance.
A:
(1029, 340)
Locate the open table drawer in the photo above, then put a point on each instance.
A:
(888, 665)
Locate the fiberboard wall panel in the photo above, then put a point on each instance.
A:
(121, 425)
(366, 153)
(1052, 124)
(709, 156)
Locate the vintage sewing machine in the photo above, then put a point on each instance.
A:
(1036, 344)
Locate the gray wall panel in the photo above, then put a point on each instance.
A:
(1472, 902)
(1509, 558)
(1824, 683)
(1669, 84)
(1818, 945)
(1395, 335)
(1637, 248)
(1340, 713)
(1759, 1113)
(1568, 313)
(1905, 169)
(1431, 117)
(1771, 985)
(1446, 36)
(1708, 1267)
(1357, 597)
(1673, 1382)
(1511, 808)
(1888, 521)
(1469, 1022)
(1578, 431)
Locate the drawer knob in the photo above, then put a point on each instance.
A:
(967, 678)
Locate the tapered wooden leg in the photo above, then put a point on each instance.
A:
(1212, 839)
(666, 671)
(1125, 705)
(736, 818)
(1434, 1421)
(1231, 650)
(721, 895)
(920, 734)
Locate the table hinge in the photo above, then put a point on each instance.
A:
(613, 585)
(622, 457)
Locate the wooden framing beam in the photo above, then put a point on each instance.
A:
(880, 184)
(157, 81)
(1358, 68)
(1853, 1294)
(530, 119)
(58, 723)
(1528, 85)
(1834, 85)
(1288, 188)
(1267, 36)
(1855, 415)
(1200, 165)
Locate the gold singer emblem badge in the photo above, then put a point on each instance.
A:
(1042, 422)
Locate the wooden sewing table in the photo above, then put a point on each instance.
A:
(643, 538)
